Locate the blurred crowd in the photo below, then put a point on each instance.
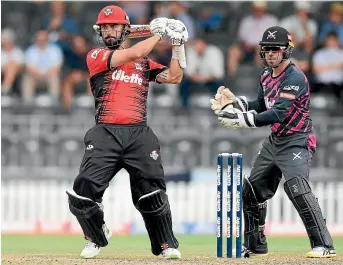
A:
(44, 45)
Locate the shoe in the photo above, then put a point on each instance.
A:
(246, 253)
(321, 252)
(91, 249)
(171, 253)
(262, 245)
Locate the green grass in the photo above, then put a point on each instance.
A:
(189, 245)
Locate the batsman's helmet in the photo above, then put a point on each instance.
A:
(276, 39)
(113, 15)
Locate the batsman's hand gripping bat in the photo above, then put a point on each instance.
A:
(141, 31)
(136, 31)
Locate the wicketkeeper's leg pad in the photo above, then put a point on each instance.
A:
(251, 215)
(255, 214)
(299, 192)
(156, 213)
(90, 216)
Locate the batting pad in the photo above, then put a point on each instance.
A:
(155, 211)
(299, 192)
(90, 217)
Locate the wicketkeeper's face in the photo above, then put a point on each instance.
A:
(273, 55)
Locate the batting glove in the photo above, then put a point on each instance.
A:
(158, 26)
(177, 32)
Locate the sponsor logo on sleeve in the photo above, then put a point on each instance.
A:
(289, 88)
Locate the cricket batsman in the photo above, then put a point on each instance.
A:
(121, 138)
(283, 103)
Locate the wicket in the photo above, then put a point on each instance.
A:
(239, 206)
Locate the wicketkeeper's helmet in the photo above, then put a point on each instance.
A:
(276, 39)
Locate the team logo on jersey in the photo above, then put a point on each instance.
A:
(120, 75)
(138, 66)
(108, 11)
(269, 102)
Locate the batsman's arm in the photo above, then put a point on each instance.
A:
(174, 74)
(158, 28)
(135, 52)
(258, 105)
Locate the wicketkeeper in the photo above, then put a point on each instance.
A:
(283, 103)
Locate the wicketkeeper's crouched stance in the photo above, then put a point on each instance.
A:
(121, 138)
(283, 102)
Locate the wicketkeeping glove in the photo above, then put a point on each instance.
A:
(234, 118)
(224, 98)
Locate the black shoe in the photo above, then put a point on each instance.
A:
(262, 246)
(246, 253)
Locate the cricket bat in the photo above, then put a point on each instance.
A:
(140, 31)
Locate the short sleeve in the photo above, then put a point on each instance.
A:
(99, 60)
(57, 55)
(18, 56)
(29, 57)
(155, 69)
(293, 87)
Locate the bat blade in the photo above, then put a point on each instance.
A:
(140, 31)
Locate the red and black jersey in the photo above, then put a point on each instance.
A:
(120, 93)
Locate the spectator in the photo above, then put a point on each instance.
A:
(159, 9)
(178, 10)
(43, 63)
(162, 52)
(299, 56)
(60, 25)
(76, 66)
(328, 66)
(12, 59)
(210, 19)
(304, 28)
(138, 11)
(250, 31)
(334, 23)
(205, 67)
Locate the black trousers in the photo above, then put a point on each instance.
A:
(110, 148)
(286, 155)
